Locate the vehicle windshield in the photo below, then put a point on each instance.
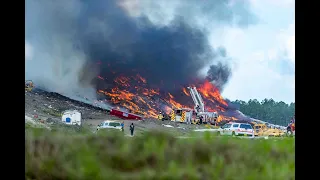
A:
(245, 126)
(226, 126)
(114, 124)
(235, 125)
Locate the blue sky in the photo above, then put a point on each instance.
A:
(263, 54)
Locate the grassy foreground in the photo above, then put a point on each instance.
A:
(66, 155)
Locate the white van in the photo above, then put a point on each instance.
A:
(72, 117)
(110, 125)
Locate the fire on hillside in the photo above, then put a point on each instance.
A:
(133, 94)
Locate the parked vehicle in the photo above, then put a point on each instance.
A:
(236, 129)
(259, 129)
(110, 125)
(272, 132)
(72, 117)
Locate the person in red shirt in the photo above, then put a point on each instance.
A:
(292, 126)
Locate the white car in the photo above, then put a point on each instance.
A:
(236, 129)
(110, 125)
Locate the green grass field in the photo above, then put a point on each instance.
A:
(81, 155)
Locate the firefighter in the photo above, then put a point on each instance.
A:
(131, 129)
(215, 121)
(160, 116)
(292, 125)
(198, 108)
(289, 127)
(201, 120)
(122, 126)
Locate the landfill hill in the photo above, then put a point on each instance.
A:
(47, 107)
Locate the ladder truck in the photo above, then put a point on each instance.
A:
(186, 115)
(199, 106)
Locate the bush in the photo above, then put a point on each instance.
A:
(155, 155)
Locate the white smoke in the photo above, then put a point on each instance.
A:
(53, 61)
(28, 51)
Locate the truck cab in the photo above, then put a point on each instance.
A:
(181, 115)
(259, 128)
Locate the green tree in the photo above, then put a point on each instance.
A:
(268, 110)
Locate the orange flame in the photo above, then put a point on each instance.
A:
(176, 104)
(142, 79)
(150, 92)
(124, 81)
(146, 105)
(185, 92)
(167, 109)
(211, 93)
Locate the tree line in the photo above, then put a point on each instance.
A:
(267, 110)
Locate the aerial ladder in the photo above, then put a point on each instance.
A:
(197, 99)
(199, 106)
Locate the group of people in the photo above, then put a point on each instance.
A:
(131, 127)
(201, 119)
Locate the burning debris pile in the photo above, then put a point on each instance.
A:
(134, 94)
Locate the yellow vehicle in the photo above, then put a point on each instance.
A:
(29, 85)
(273, 132)
(259, 129)
(181, 115)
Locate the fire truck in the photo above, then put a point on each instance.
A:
(183, 115)
(191, 115)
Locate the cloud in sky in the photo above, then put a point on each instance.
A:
(264, 54)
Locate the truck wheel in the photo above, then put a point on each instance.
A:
(233, 133)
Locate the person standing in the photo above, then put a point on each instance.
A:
(131, 129)
(215, 122)
(122, 126)
(160, 116)
(289, 128)
(201, 120)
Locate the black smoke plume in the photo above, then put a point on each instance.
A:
(165, 42)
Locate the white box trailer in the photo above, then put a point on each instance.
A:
(72, 117)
